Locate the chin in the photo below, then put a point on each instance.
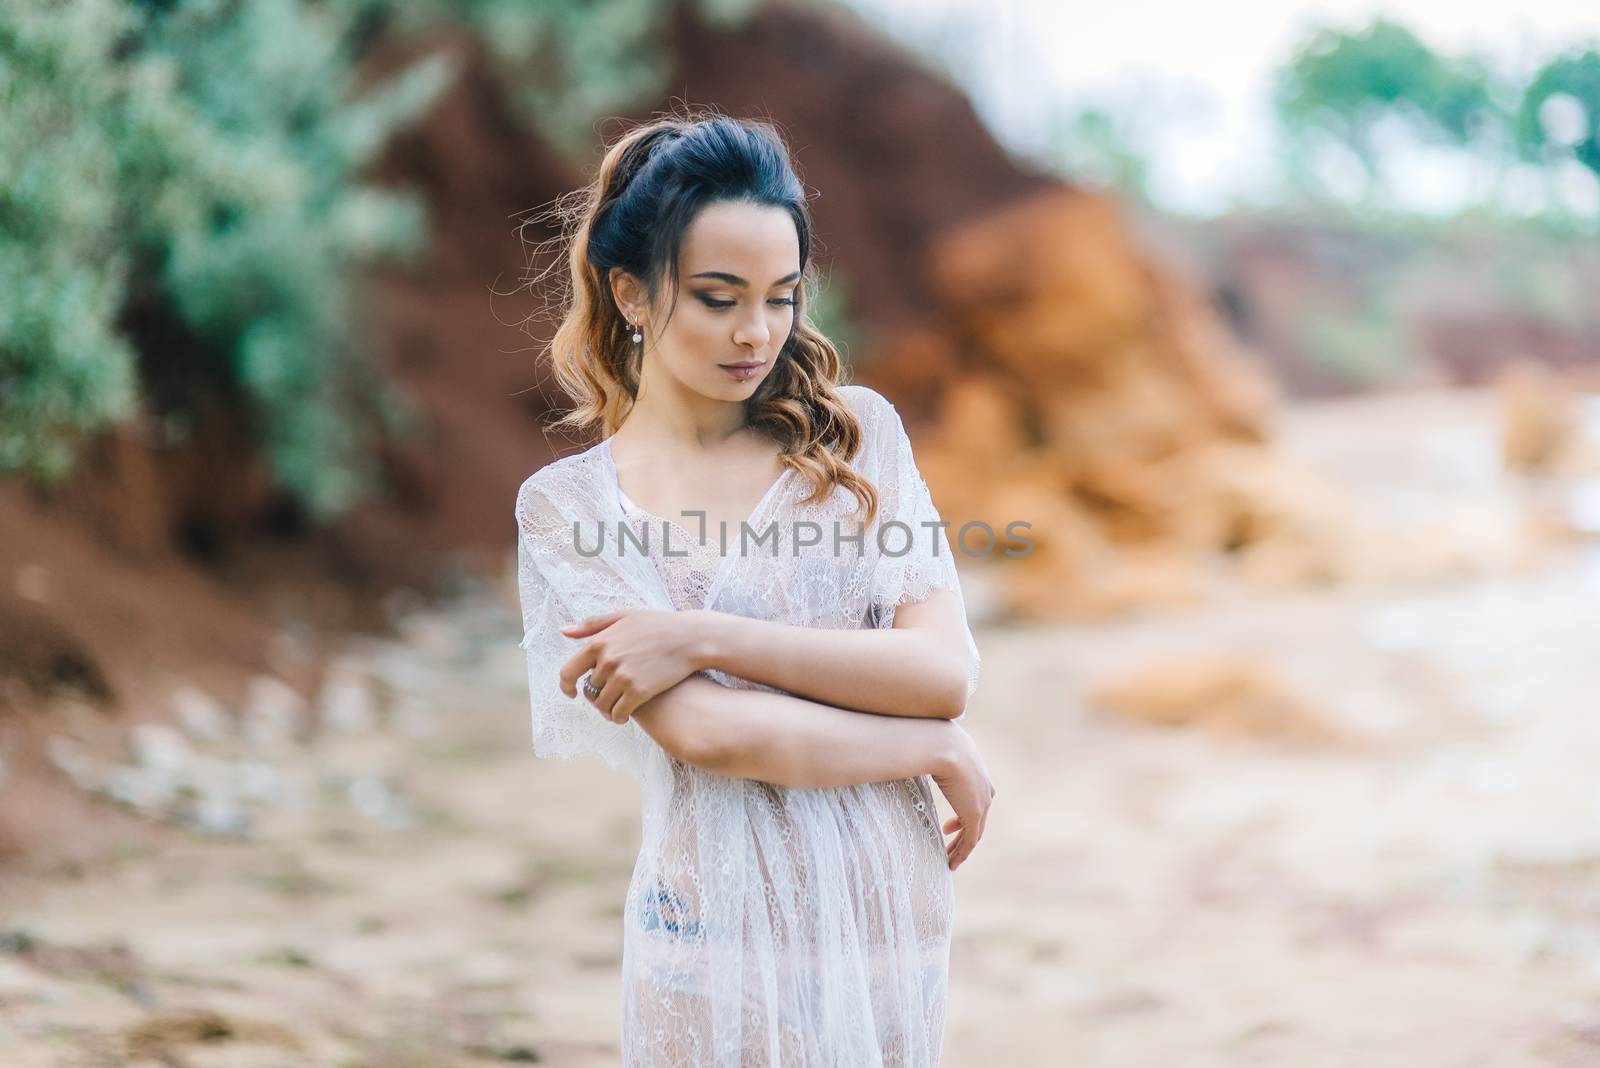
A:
(728, 386)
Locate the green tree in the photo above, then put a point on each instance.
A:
(64, 368)
(1574, 80)
(196, 162)
(566, 63)
(262, 218)
(1340, 84)
(198, 158)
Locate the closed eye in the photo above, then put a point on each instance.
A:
(781, 302)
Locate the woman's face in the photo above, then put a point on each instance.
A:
(738, 283)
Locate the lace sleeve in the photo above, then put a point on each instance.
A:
(557, 586)
(913, 554)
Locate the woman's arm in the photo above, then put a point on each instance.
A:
(915, 668)
(791, 741)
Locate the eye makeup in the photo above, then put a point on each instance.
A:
(713, 303)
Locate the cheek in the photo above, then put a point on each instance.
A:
(693, 327)
(711, 324)
(703, 334)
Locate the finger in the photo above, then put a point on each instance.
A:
(583, 660)
(590, 624)
(594, 691)
(951, 824)
(610, 694)
(960, 822)
(957, 852)
(599, 685)
(970, 830)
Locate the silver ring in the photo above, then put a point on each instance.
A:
(590, 688)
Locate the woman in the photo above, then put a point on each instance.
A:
(787, 708)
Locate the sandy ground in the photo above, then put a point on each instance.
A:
(426, 892)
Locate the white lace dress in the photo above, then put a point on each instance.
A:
(764, 925)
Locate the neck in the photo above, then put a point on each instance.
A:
(666, 415)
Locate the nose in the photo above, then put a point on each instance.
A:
(752, 330)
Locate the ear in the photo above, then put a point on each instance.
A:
(628, 294)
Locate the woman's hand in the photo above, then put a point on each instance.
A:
(965, 784)
(635, 654)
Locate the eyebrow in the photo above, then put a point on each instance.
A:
(735, 280)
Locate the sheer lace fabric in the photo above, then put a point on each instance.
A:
(763, 925)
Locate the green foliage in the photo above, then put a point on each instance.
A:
(199, 158)
(260, 219)
(1340, 84)
(64, 368)
(1575, 79)
(581, 61)
(567, 63)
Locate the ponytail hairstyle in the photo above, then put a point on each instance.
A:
(652, 183)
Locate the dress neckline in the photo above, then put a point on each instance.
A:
(625, 502)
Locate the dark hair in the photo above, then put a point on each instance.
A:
(653, 182)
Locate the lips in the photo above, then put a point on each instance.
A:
(743, 371)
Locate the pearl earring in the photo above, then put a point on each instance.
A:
(637, 336)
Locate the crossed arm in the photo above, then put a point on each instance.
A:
(862, 705)
(917, 668)
(793, 741)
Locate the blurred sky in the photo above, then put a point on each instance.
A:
(1195, 78)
